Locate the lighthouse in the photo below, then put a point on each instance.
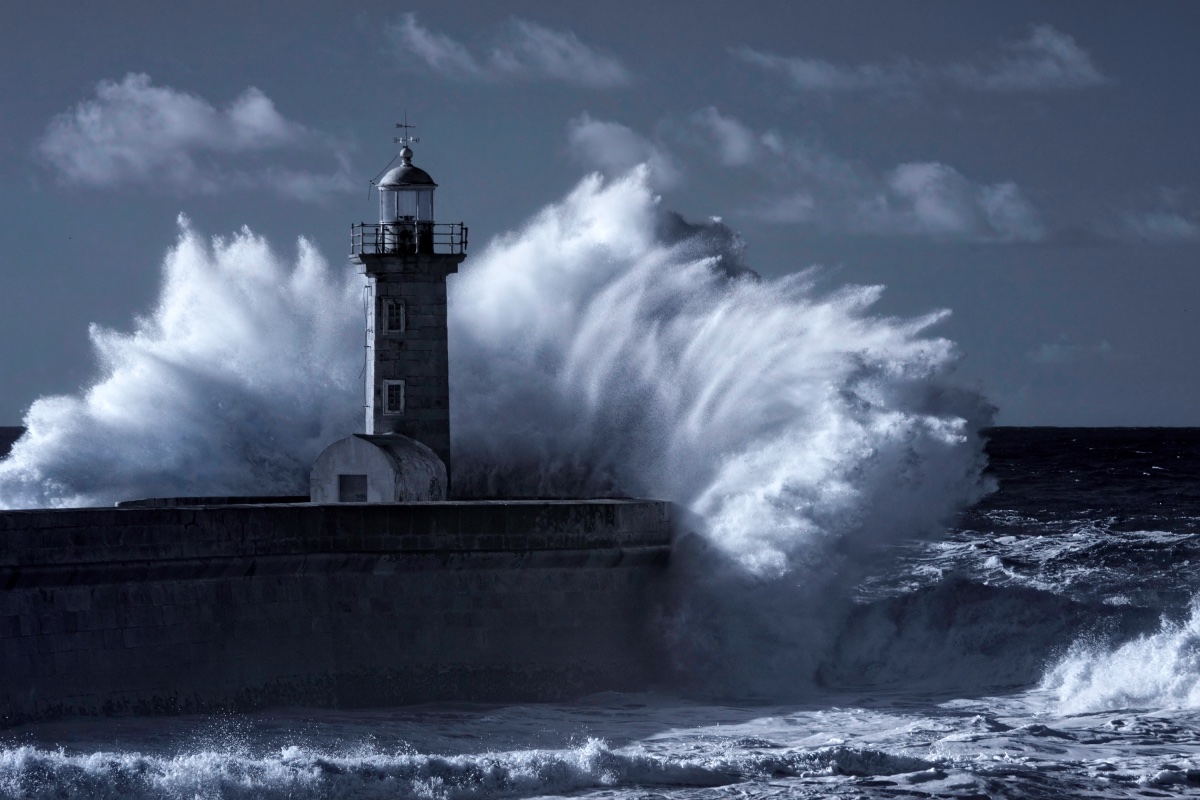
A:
(405, 258)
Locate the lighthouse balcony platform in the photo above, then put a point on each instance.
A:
(404, 237)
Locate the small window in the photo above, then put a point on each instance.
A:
(352, 488)
(393, 316)
(393, 397)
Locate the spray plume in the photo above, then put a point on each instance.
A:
(610, 347)
(607, 347)
(244, 370)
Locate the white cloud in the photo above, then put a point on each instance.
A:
(613, 149)
(312, 187)
(1009, 212)
(438, 52)
(814, 74)
(1165, 215)
(523, 51)
(928, 197)
(533, 49)
(1048, 60)
(935, 199)
(1162, 227)
(736, 144)
(801, 183)
(826, 191)
(1063, 352)
(135, 133)
(914, 199)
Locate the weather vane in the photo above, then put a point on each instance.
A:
(406, 140)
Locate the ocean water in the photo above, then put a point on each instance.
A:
(867, 604)
(1048, 647)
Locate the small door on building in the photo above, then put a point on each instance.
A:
(352, 488)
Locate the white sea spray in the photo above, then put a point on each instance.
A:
(244, 370)
(1160, 669)
(605, 347)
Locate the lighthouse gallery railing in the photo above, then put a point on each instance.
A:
(407, 237)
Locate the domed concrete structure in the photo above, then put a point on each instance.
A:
(377, 469)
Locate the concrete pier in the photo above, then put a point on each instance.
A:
(235, 607)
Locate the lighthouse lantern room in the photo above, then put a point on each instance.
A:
(406, 192)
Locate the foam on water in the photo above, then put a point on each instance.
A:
(965, 637)
(993, 747)
(296, 772)
(1157, 670)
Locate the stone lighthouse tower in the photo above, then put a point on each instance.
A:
(405, 258)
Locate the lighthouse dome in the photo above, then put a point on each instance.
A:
(406, 174)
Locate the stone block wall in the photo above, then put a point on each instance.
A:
(172, 610)
(418, 354)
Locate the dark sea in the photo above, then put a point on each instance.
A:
(1047, 647)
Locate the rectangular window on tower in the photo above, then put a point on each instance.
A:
(393, 397)
(393, 316)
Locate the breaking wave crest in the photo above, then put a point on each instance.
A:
(241, 374)
(610, 346)
(295, 772)
(966, 637)
(1157, 670)
(607, 347)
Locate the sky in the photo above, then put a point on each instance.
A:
(1030, 166)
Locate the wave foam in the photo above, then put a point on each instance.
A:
(296, 772)
(609, 344)
(960, 636)
(1157, 670)
(241, 374)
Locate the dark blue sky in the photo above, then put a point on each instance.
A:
(1030, 166)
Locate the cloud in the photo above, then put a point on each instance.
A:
(438, 52)
(814, 74)
(533, 49)
(1062, 352)
(523, 51)
(1161, 216)
(312, 187)
(1162, 227)
(613, 149)
(736, 144)
(134, 133)
(813, 186)
(914, 199)
(801, 183)
(1048, 60)
(1168, 216)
